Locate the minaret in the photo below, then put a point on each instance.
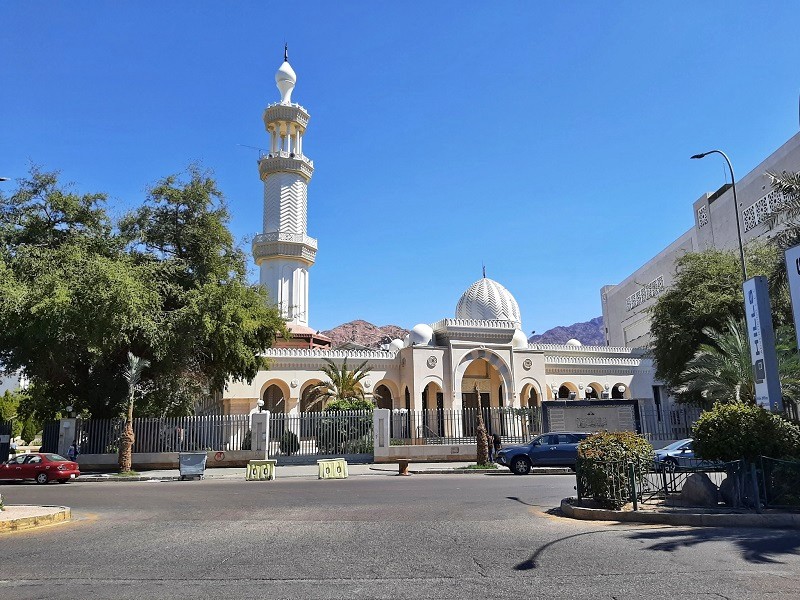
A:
(284, 252)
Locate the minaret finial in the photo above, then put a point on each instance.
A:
(484, 270)
(285, 52)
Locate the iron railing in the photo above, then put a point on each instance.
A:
(326, 433)
(674, 423)
(174, 434)
(459, 426)
(779, 482)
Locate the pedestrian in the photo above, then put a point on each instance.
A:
(73, 451)
(495, 446)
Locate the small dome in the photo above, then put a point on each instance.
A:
(519, 340)
(487, 300)
(420, 335)
(285, 79)
(574, 342)
(395, 345)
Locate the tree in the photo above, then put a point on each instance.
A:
(342, 385)
(133, 376)
(721, 370)
(9, 405)
(706, 292)
(788, 213)
(79, 291)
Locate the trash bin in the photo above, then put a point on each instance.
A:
(192, 464)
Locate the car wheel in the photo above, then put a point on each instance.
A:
(520, 466)
(41, 478)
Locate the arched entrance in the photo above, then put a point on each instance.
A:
(273, 399)
(618, 391)
(567, 391)
(432, 411)
(487, 373)
(383, 397)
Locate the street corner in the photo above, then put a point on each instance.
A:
(20, 517)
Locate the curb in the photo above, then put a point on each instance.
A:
(62, 513)
(771, 521)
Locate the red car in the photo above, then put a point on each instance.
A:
(42, 467)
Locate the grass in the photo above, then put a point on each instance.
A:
(488, 467)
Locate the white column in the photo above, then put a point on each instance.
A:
(288, 137)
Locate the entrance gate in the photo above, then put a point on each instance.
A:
(307, 437)
(5, 440)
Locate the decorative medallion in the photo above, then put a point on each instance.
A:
(294, 383)
(367, 383)
(527, 364)
(432, 360)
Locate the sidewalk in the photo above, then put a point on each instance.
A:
(311, 472)
(22, 516)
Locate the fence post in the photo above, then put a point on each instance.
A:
(66, 434)
(259, 433)
(380, 432)
(632, 484)
(756, 495)
(578, 480)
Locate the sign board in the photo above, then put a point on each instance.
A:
(758, 314)
(793, 271)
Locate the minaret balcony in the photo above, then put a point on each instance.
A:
(285, 162)
(289, 113)
(287, 245)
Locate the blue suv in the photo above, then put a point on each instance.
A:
(558, 449)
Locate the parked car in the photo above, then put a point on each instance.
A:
(41, 467)
(681, 454)
(549, 449)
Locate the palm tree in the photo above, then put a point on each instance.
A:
(481, 436)
(342, 384)
(788, 211)
(721, 371)
(132, 375)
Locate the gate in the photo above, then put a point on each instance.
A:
(307, 437)
(50, 437)
(5, 440)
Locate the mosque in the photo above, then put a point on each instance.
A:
(438, 365)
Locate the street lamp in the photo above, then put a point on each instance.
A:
(260, 404)
(735, 205)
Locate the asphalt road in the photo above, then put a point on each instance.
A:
(381, 536)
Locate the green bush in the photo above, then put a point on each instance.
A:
(349, 404)
(602, 467)
(289, 443)
(735, 431)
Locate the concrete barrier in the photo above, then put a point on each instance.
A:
(260, 470)
(332, 468)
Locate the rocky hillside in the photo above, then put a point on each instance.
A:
(588, 333)
(364, 333)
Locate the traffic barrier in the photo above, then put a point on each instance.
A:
(332, 468)
(261, 470)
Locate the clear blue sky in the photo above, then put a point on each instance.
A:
(550, 141)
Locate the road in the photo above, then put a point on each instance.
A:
(381, 536)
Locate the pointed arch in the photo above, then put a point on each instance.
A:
(494, 360)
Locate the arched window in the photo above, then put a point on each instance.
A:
(563, 392)
(274, 400)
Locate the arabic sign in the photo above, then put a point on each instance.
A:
(758, 314)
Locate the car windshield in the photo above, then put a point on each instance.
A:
(55, 457)
(676, 445)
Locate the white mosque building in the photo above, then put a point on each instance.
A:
(438, 365)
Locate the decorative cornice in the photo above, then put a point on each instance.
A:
(326, 353)
(579, 349)
(289, 245)
(284, 162)
(445, 324)
(591, 360)
(293, 113)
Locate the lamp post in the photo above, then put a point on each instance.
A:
(735, 206)
(260, 404)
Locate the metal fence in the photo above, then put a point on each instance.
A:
(334, 433)
(459, 426)
(674, 423)
(780, 482)
(176, 434)
(615, 483)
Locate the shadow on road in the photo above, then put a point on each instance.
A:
(756, 545)
(526, 565)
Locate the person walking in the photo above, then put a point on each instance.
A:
(494, 447)
(73, 451)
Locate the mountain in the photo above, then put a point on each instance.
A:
(588, 333)
(364, 333)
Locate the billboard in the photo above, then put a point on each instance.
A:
(758, 314)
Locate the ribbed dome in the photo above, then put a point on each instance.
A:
(487, 300)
